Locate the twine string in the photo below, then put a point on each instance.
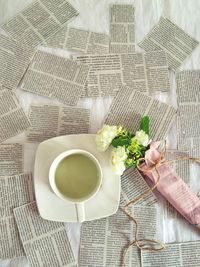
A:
(146, 242)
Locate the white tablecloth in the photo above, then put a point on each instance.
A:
(94, 15)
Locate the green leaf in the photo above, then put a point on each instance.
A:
(121, 141)
(144, 124)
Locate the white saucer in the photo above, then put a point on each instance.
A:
(50, 206)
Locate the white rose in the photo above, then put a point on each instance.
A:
(141, 138)
(118, 158)
(105, 136)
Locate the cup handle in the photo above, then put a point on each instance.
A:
(80, 211)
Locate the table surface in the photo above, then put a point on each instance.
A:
(94, 15)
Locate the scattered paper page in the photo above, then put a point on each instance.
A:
(188, 121)
(55, 77)
(45, 242)
(104, 241)
(128, 107)
(11, 159)
(176, 255)
(37, 22)
(15, 191)
(105, 74)
(48, 121)
(14, 61)
(122, 29)
(167, 36)
(145, 72)
(12, 117)
(79, 40)
(132, 186)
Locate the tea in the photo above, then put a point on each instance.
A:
(77, 176)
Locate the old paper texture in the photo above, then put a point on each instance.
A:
(167, 36)
(14, 61)
(37, 22)
(122, 29)
(12, 117)
(129, 106)
(176, 255)
(48, 121)
(104, 241)
(11, 159)
(55, 77)
(80, 40)
(188, 121)
(45, 242)
(15, 191)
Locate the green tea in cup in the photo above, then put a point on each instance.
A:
(76, 175)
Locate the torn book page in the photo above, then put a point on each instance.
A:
(79, 40)
(122, 29)
(176, 255)
(48, 121)
(104, 241)
(38, 21)
(14, 62)
(11, 159)
(129, 106)
(55, 77)
(167, 36)
(45, 242)
(15, 191)
(12, 117)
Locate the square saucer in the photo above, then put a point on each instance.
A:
(50, 206)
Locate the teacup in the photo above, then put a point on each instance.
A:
(76, 176)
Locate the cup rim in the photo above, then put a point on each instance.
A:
(53, 168)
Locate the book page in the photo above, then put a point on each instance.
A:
(122, 29)
(146, 72)
(105, 74)
(104, 241)
(14, 61)
(132, 186)
(129, 106)
(188, 121)
(167, 36)
(38, 21)
(44, 242)
(48, 121)
(11, 159)
(80, 40)
(176, 255)
(12, 117)
(55, 77)
(15, 191)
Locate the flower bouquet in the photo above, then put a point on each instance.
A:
(136, 150)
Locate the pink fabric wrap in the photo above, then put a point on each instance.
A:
(172, 187)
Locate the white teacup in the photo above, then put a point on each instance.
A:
(79, 202)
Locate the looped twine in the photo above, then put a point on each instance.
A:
(143, 244)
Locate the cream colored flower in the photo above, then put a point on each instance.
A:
(118, 158)
(105, 136)
(141, 138)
